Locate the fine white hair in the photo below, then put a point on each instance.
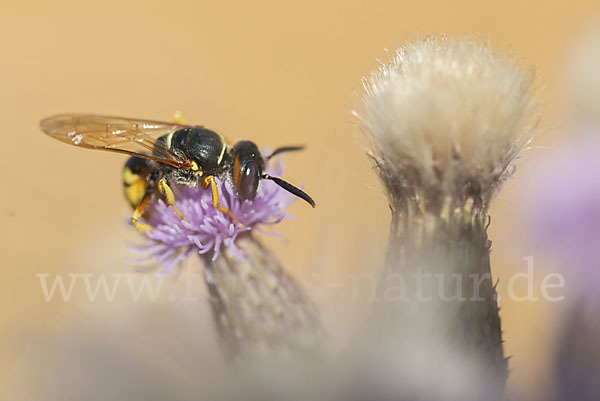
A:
(446, 117)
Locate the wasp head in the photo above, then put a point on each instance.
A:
(247, 169)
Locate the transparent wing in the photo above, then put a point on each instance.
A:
(117, 134)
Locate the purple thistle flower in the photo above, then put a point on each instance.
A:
(565, 219)
(206, 229)
(565, 210)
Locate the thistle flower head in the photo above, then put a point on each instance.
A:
(446, 117)
(205, 229)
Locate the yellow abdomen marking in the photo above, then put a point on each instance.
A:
(135, 187)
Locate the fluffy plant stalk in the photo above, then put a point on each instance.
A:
(259, 309)
(446, 118)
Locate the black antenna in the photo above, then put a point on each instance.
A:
(290, 188)
(285, 149)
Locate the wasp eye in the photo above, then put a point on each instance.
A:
(249, 181)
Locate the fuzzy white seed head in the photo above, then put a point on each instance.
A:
(446, 117)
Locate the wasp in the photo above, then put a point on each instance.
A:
(163, 154)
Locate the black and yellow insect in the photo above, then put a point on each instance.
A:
(169, 153)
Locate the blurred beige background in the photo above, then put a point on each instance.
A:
(276, 72)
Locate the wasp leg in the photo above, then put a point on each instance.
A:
(164, 189)
(179, 118)
(209, 180)
(138, 212)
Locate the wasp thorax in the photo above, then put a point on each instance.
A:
(203, 146)
(248, 166)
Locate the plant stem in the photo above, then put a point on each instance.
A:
(257, 307)
(437, 282)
